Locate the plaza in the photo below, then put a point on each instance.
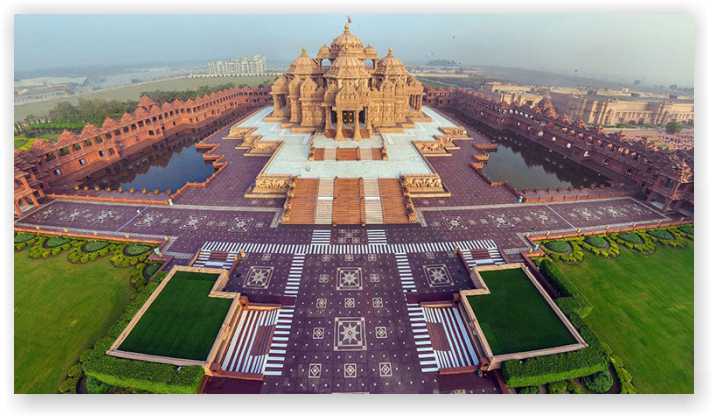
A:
(346, 221)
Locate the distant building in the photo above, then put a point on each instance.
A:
(254, 65)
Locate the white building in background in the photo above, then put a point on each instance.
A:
(254, 65)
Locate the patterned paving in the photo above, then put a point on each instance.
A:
(451, 340)
(278, 348)
(248, 348)
(295, 275)
(424, 346)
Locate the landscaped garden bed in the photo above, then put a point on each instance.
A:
(182, 322)
(515, 317)
(634, 307)
(63, 305)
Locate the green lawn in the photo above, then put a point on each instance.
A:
(515, 317)
(182, 322)
(643, 308)
(61, 309)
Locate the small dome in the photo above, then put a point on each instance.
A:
(303, 65)
(347, 67)
(389, 65)
(323, 52)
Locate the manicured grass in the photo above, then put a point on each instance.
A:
(61, 309)
(53, 242)
(631, 238)
(596, 241)
(94, 245)
(515, 317)
(662, 234)
(643, 308)
(182, 322)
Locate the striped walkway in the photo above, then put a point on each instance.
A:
(460, 351)
(483, 256)
(274, 248)
(404, 272)
(294, 278)
(247, 351)
(216, 259)
(376, 237)
(321, 236)
(424, 347)
(278, 349)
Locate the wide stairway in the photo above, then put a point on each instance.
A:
(372, 209)
(303, 201)
(324, 202)
(346, 201)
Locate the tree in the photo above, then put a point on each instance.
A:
(673, 127)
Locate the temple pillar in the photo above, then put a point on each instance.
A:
(277, 111)
(327, 118)
(294, 114)
(367, 117)
(339, 125)
(357, 125)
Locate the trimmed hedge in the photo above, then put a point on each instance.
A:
(138, 375)
(94, 245)
(54, 241)
(640, 242)
(597, 241)
(528, 390)
(150, 270)
(567, 290)
(24, 237)
(573, 255)
(633, 238)
(601, 382)
(688, 229)
(661, 234)
(557, 387)
(559, 246)
(551, 368)
(136, 249)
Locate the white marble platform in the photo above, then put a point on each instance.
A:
(292, 156)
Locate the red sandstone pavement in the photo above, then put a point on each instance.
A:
(383, 364)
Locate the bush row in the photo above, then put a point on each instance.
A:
(567, 291)
(601, 246)
(671, 237)
(552, 368)
(132, 375)
(574, 255)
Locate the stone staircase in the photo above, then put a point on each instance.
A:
(324, 202)
(372, 210)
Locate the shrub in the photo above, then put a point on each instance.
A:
(92, 246)
(575, 388)
(95, 386)
(150, 269)
(528, 390)
(558, 387)
(582, 308)
(69, 385)
(597, 241)
(20, 246)
(55, 241)
(559, 246)
(601, 382)
(661, 234)
(631, 238)
(688, 229)
(562, 285)
(551, 368)
(24, 237)
(136, 249)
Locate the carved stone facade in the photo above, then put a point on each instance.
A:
(423, 184)
(352, 95)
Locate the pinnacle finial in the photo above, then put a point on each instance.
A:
(390, 51)
(303, 53)
(347, 24)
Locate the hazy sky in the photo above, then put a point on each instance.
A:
(656, 48)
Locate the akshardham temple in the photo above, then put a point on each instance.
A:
(346, 91)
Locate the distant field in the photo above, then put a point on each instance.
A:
(132, 92)
(643, 308)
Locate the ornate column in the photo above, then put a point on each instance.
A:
(294, 116)
(357, 125)
(367, 117)
(327, 118)
(277, 111)
(339, 124)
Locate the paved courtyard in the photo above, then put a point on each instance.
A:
(350, 317)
